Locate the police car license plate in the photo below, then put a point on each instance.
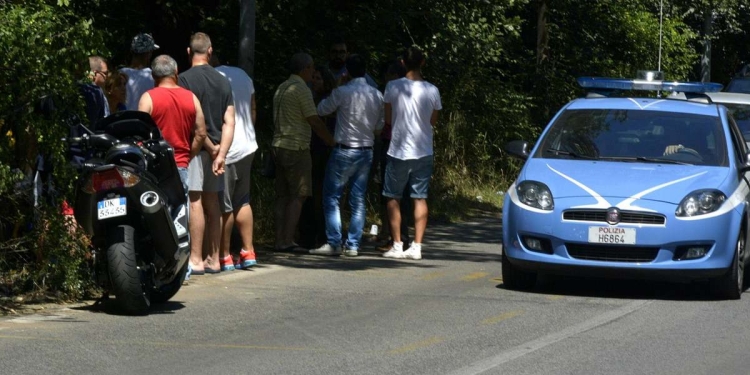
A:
(612, 235)
(112, 208)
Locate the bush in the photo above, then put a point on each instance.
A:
(41, 48)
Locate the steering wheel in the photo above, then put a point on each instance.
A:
(691, 152)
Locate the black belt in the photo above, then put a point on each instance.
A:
(339, 145)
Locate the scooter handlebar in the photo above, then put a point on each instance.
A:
(147, 152)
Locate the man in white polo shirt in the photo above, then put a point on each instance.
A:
(411, 107)
(359, 116)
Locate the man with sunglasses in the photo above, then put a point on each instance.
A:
(337, 56)
(92, 89)
(99, 70)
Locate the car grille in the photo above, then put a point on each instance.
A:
(629, 217)
(611, 253)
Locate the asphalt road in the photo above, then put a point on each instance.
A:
(445, 314)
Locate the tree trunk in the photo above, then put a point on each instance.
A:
(542, 37)
(708, 31)
(246, 59)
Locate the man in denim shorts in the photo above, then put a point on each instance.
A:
(411, 107)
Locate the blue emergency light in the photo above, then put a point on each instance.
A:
(603, 83)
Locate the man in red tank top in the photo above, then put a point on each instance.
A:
(176, 111)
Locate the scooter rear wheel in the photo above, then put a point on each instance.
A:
(124, 274)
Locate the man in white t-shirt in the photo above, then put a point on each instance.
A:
(411, 107)
(139, 71)
(236, 201)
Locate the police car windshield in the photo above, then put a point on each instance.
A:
(635, 136)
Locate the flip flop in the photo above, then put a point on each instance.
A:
(197, 272)
(210, 271)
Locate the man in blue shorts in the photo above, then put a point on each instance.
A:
(411, 107)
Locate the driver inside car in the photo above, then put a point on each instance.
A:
(684, 139)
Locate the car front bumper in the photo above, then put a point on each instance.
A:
(718, 234)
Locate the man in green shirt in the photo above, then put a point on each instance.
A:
(294, 115)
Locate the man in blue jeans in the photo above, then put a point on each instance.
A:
(359, 116)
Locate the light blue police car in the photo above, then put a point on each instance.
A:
(632, 187)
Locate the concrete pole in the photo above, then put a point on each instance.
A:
(246, 60)
(708, 31)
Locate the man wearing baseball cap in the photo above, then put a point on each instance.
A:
(139, 71)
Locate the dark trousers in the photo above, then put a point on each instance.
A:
(312, 227)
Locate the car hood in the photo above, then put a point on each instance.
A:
(605, 180)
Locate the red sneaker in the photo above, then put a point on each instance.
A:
(247, 258)
(227, 263)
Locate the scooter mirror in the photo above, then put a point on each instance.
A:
(46, 106)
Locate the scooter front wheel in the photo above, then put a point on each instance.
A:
(124, 274)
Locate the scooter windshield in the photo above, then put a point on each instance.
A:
(126, 124)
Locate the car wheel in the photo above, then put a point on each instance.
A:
(731, 285)
(515, 278)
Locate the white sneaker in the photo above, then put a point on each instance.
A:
(325, 250)
(414, 251)
(350, 253)
(396, 252)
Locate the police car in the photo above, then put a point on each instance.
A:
(643, 187)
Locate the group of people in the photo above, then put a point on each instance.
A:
(406, 112)
(327, 122)
(207, 115)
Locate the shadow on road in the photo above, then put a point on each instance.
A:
(620, 289)
(110, 308)
(443, 242)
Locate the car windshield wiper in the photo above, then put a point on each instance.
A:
(645, 159)
(570, 153)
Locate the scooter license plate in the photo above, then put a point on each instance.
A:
(109, 208)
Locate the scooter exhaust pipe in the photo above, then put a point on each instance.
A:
(156, 218)
(150, 202)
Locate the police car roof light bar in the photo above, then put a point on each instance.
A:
(603, 83)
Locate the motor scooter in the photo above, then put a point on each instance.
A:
(131, 202)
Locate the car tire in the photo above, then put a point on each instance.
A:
(731, 285)
(515, 278)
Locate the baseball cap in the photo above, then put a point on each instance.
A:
(143, 43)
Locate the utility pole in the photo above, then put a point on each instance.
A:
(708, 31)
(246, 59)
(542, 35)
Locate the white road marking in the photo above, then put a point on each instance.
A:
(487, 364)
(36, 318)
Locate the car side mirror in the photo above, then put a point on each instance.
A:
(519, 149)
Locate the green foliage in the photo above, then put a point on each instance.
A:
(41, 49)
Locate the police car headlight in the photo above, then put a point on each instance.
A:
(700, 203)
(535, 194)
